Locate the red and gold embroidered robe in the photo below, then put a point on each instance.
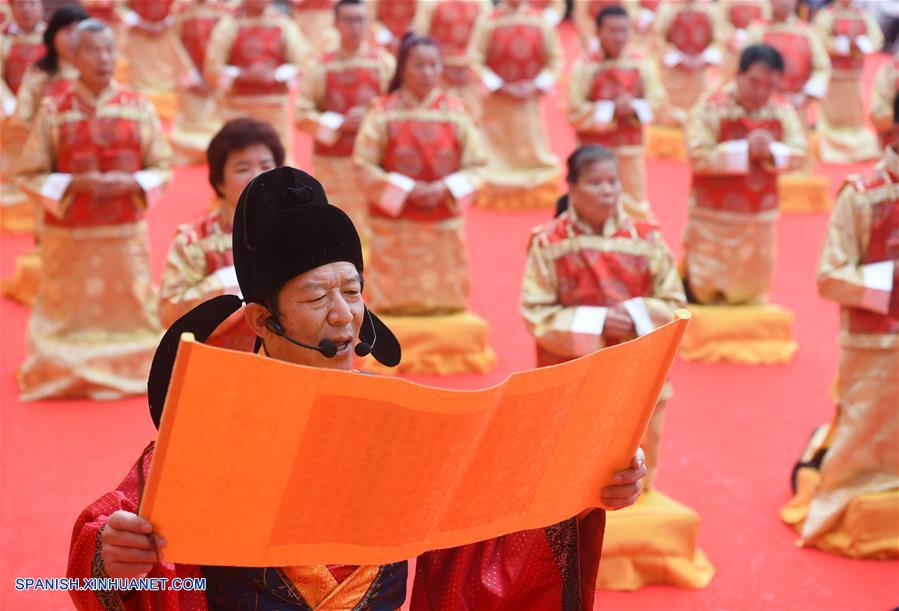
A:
(93, 328)
(689, 31)
(859, 269)
(18, 51)
(849, 33)
(200, 266)
(513, 45)
(198, 116)
(418, 263)
(729, 238)
(451, 23)
(336, 83)
(270, 40)
(594, 85)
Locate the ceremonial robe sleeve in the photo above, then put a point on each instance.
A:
(565, 331)
(882, 96)
(585, 25)
(667, 290)
(7, 97)
(842, 277)
(310, 95)
(819, 79)
(36, 164)
(665, 16)
(478, 46)
(221, 40)
(789, 155)
(86, 556)
(873, 31)
(424, 15)
(554, 13)
(186, 281)
(553, 60)
(157, 156)
(28, 100)
(708, 154)
(581, 110)
(463, 183)
(823, 24)
(296, 49)
(387, 189)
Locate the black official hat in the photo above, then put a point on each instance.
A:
(283, 227)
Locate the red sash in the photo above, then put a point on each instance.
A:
(345, 89)
(751, 193)
(652, 5)
(851, 27)
(797, 53)
(883, 245)
(608, 84)
(742, 14)
(691, 32)
(98, 144)
(153, 11)
(598, 278)
(516, 52)
(396, 15)
(451, 25)
(257, 44)
(425, 150)
(21, 56)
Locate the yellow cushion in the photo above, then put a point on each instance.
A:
(23, 285)
(653, 542)
(443, 345)
(539, 197)
(665, 143)
(803, 193)
(869, 527)
(756, 334)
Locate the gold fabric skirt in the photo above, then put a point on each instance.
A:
(863, 457)
(93, 328)
(518, 150)
(197, 120)
(844, 135)
(416, 268)
(729, 257)
(338, 176)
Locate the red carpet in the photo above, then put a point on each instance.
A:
(731, 435)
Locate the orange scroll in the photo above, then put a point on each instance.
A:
(265, 463)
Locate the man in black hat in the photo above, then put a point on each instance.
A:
(299, 265)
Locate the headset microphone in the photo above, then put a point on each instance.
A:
(364, 348)
(327, 348)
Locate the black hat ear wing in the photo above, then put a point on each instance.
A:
(201, 321)
(385, 346)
